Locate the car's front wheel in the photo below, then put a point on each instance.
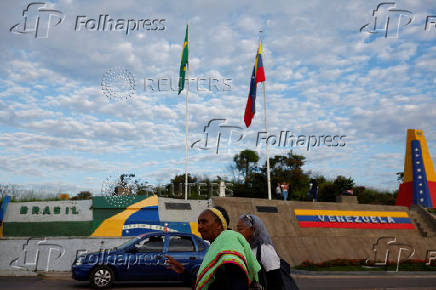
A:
(101, 277)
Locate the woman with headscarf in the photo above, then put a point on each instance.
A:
(229, 264)
(254, 231)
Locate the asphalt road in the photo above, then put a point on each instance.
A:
(304, 282)
(30, 283)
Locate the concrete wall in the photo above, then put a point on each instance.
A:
(292, 242)
(101, 217)
(49, 211)
(181, 215)
(49, 254)
(297, 244)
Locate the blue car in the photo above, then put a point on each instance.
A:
(141, 259)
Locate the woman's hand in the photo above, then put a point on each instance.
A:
(175, 265)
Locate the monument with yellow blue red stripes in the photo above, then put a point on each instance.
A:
(419, 185)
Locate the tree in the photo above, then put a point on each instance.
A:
(143, 188)
(288, 168)
(329, 190)
(177, 184)
(125, 185)
(400, 176)
(245, 161)
(287, 162)
(374, 196)
(342, 184)
(82, 195)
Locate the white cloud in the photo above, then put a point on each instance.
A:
(323, 77)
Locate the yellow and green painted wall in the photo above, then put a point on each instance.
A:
(102, 216)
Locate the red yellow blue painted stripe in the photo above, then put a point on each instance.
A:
(308, 218)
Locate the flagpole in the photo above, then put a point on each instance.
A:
(187, 124)
(267, 148)
(266, 129)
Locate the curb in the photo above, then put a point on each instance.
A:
(17, 273)
(65, 275)
(55, 275)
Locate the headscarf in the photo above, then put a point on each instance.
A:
(218, 213)
(260, 235)
(229, 247)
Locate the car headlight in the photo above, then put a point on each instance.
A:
(79, 261)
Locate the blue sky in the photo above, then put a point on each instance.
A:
(324, 76)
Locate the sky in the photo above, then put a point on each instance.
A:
(82, 102)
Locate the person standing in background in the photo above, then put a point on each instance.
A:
(279, 191)
(285, 188)
(314, 190)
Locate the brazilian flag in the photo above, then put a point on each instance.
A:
(183, 63)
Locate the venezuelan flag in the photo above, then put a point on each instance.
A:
(308, 218)
(257, 76)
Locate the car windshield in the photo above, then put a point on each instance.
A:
(128, 243)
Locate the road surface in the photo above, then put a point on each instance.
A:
(309, 282)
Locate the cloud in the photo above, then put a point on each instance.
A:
(323, 76)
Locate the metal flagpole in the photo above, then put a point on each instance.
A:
(187, 124)
(266, 129)
(267, 149)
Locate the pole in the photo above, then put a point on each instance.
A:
(267, 148)
(268, 176)
(187, 125)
